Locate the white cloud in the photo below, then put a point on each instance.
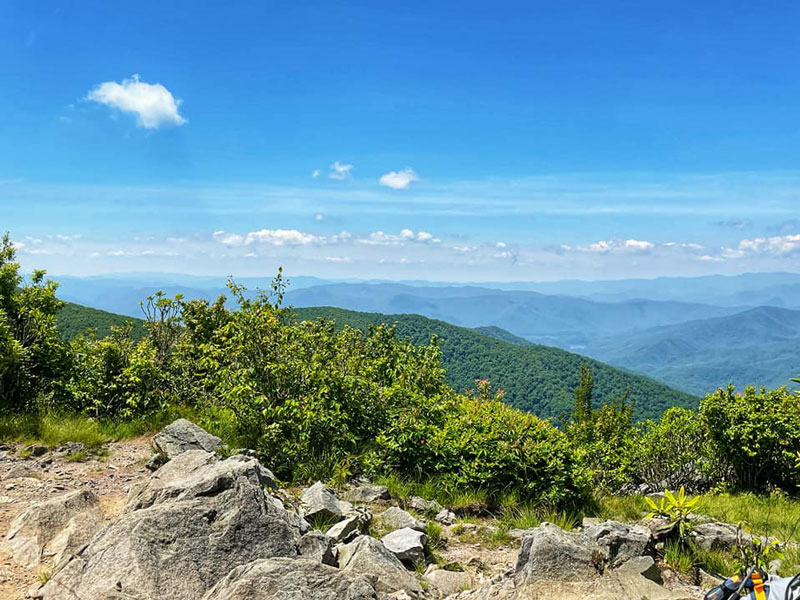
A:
(272, 237)
(152, 103)
(399, 180)
(281, 237)
(779, 245)
(406, 235)
(340, 171)
(315, 174)
(500, 245)
(319, 217)
(606, 246)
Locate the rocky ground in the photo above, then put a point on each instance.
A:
(122, 526)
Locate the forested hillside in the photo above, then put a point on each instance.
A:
(74, 319)
(540, 379)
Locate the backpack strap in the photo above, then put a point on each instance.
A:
(758, 585)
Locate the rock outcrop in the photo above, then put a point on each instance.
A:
(179, 534)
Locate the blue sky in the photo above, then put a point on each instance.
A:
(448, 141)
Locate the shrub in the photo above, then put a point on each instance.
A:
(756, 434)
(116, 377)
(479, 442)
(671, 452)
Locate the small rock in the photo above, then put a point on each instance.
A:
(396, 518)
(424, 506)
(182, 435)
(620, 541)
(445, 517)
(449, 582)
(157, 460)
(407, 544)
(315, 545)
(53, 528)
(368, 493)
(350, 527)
(36, 450)
(716, 536)
(320, 503)
(550, 553)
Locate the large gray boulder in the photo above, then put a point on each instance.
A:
(53, 529)
(367, 556)
(319, 503)
(284, 578)
(550, 553)
(182, 435)
(397, 518)
(406, 544)
(195, 520)
(620, 541)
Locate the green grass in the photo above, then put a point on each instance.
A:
(44, 576)
(620, 508)
(52, 429)
(679, 557)
(76, 456)
(774, 516)
(530, 516)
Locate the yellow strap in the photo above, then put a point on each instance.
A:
(758, 587)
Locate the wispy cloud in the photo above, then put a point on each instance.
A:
(152, 103)
(340, 171)
(607, 246)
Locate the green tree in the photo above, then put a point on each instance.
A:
(33, 360)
